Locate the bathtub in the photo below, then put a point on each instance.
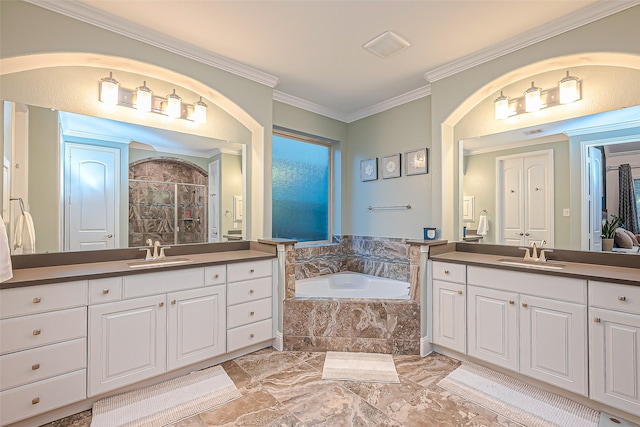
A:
(351, 285)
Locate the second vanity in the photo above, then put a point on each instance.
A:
(77, 333)
(574, 327)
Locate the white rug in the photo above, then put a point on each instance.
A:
(515, 399)
(368, 367)
(167, 402)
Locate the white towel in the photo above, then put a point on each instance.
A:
(483, 225)
(6, 271)
(24, 239)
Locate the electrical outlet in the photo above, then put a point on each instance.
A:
(565, 212)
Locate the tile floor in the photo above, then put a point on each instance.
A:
(286, 389)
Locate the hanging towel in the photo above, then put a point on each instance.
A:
(483, 225)
(6, 272)
(24, 239)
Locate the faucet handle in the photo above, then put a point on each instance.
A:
(527, 255)
(543, 258)
(149, 242)
(147, 257)
(162, 248)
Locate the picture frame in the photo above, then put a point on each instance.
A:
(369, 169)
(391, 166)
(417, 162)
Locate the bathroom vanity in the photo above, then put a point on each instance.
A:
(73, 334)
(572, 325)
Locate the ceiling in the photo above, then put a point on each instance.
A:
(311, 51)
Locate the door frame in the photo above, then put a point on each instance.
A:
(550, 191)
(214, 199)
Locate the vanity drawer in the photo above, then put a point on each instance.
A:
(105, 290)
(450, 272)
(38, 299)
(28, 366)
(162, 282)
(21, 333)
(614, 296)
(249, 312)
(250, 290)
(215, 275)
(33, 399)
(247, 335)
(249, 270)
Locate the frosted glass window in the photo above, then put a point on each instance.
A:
(300, 193)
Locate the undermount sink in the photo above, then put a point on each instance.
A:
(158, 262)
(532, 264)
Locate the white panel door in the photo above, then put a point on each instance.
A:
(127, 342)
(449, 315)
(91, 203)
(214, 201)
(594, 198)
(553, 342)
(197, 327)
(513, 202)
(614, 356)
(492, 330)
(538, 218)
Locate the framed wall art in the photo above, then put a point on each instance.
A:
(369, 169)
(417, 162)
(391, 166)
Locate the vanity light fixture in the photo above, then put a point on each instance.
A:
(532, 99)
(142, 99)
(567, 91)
(109, 88)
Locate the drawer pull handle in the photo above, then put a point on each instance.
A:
(596, 319)
(161, 304)
(252, 271)
(216, 276)
(622, 298)
(446, 272)
(105, 291)
(35, 400)
(459, 292)
(35, 366)
(251, 291)
(173, 302)
(37, 331)
(251, 336)
(37, 300)
(511, 301)
(252, 313)
(524, 304)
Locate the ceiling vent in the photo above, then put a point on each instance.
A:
(386, 44)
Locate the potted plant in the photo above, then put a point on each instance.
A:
(609, 232)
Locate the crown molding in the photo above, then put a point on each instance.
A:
(396, 101)
(92, 16)
(589, 14)
(309, 106)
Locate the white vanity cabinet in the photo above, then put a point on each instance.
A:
(614, 335)
(165, 321)
(449, 305)
(549, 314)
(249, 303)
(43, 357)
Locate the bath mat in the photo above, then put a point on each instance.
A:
(167, 402)
(515, 399)
(367, 367)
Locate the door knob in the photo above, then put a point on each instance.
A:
(108, 236)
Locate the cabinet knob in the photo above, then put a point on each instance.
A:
(252, 271)
(35, 366)
(105, 291)
(161, 304)
(37, 331)
(37, 300)
(524, 304)
(252, 313)
(251, 336)
(446, 272)
(216, 276)
(596, 319)
(173, 302)
(622, 298)
(459, 292)
(511, 301)
(251, 291)
(35, 400)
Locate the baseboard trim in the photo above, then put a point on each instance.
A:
(278, 341)
(425, 346)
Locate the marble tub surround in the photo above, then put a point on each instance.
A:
(286, 389)
(352, 325)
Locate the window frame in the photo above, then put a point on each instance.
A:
(324, 142)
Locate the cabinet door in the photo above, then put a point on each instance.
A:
(553, 342)
(449, 315)
(127, 342)
(197, 325)
(493, 326)
(614, 359)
